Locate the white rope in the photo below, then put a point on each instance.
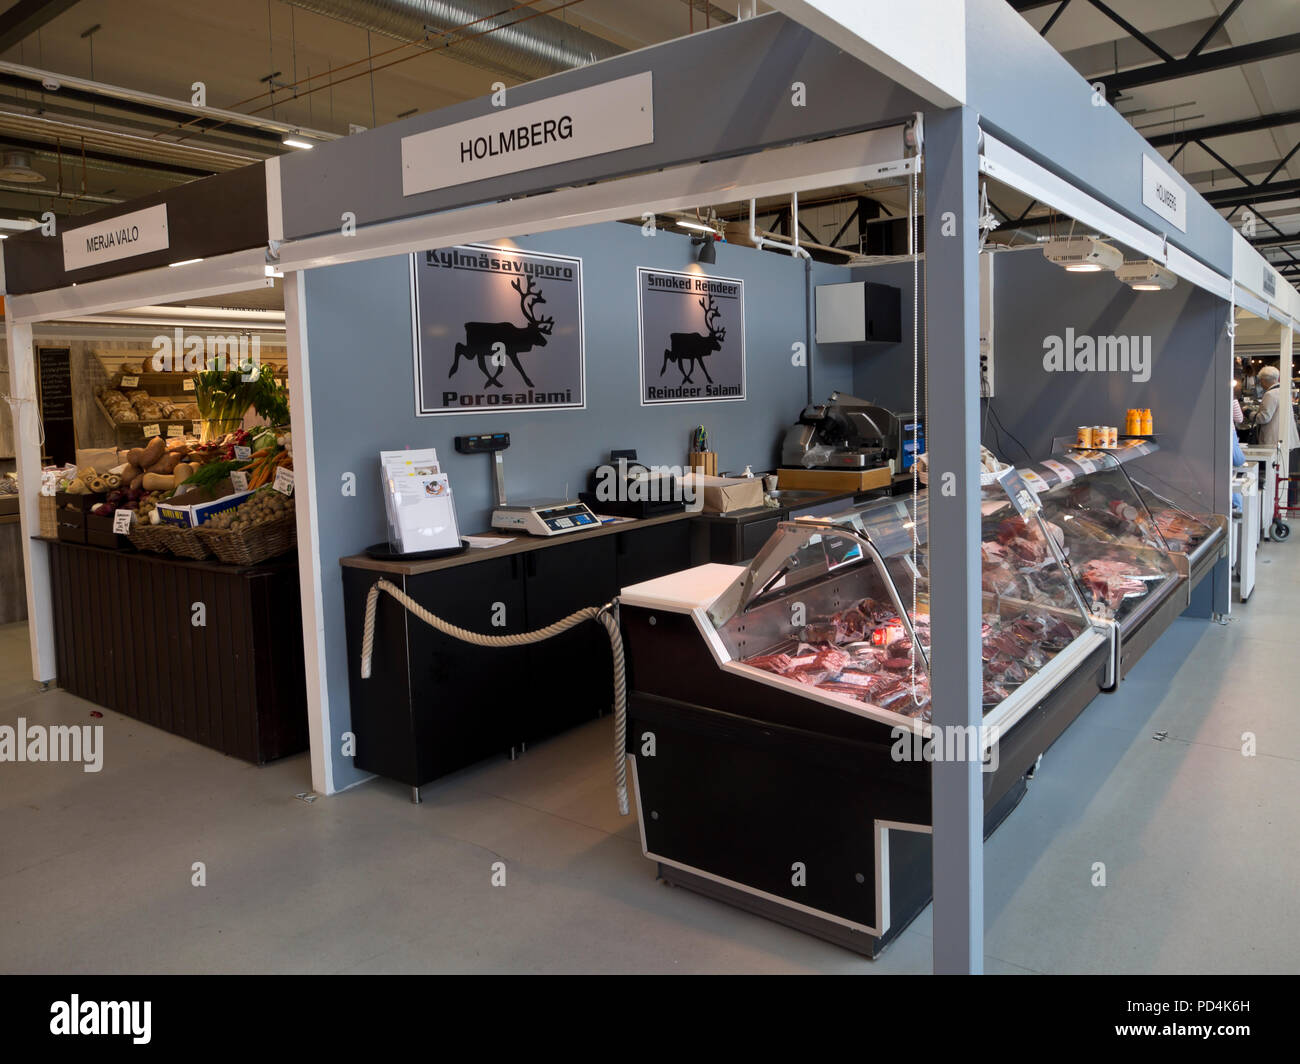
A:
(603, 614)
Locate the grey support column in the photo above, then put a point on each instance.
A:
(952, 439)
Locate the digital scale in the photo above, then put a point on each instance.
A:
(544, 517)
(536, 517)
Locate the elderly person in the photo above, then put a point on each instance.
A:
(1270, 418)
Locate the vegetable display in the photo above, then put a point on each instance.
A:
(224, 395)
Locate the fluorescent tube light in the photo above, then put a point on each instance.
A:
(290, 140)
(183, 262)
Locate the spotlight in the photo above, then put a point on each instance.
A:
(707, 253)
(1146, 275)
(1083, 254)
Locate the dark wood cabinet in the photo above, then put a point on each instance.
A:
(130, 636)
(434, 704)
(572, 674)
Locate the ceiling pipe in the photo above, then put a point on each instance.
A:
(109, 93)
(540, 46)
(764, 239)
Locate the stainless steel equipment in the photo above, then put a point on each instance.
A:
(850, 433)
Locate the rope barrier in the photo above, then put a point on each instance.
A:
(603, 614)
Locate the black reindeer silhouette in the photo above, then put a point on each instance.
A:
(693, 348)
(483, 338)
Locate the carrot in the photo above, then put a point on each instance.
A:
(262, 453)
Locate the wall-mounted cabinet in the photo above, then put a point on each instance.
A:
(859, 312)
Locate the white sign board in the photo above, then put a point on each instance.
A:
(1164, 193)
(116, 238)
(574, 125)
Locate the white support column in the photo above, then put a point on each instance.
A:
(304, 489)
(27, 448)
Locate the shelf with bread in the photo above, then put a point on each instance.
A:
(140, 402)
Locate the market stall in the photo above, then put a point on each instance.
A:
(160, 574)
(356, 225)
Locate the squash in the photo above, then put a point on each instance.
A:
(137, 482)
(157, 482)
(165, 464)
(129, 472)
(152, 452)
(182, 473)
(135, 457)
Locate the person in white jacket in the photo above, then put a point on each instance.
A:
(1275, 422)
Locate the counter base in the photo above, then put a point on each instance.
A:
(860, 942)
(130, 636)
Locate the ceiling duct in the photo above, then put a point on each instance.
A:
(538, 46)
(17, 166)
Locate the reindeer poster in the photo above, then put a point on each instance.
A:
(692, 337)
(497, 329)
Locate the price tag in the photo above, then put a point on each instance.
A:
(283, 481)
(1034, 480)
(243, 454)
(130, 382)
(175, 430)
(1061, 470)
(239, 480)
(150, 430)
(122, 521)
(1086, 464)
(187, 385)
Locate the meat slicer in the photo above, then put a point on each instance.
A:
(850, 433)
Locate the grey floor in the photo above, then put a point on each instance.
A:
(1199, 844)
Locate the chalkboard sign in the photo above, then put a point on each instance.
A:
(54, 373)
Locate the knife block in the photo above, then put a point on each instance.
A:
(704, 462)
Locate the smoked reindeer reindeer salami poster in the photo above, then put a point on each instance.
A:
(497, 329)
(692, 337)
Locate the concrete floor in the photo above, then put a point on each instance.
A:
(1199, 842)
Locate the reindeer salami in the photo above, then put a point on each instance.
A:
(490, 340)
(689, 350)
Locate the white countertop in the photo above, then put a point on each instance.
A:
(682, 591)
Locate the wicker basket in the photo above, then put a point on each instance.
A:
(49, 511)
(148, 537)
(251, 545)
(170, 539)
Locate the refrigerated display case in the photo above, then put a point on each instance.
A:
(779, 763)
(1132, 545)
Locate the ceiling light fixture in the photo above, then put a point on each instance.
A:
(183, 262)
(1083, 254)
(1146, 275)
(700, 226)
(295, 140)
(17, 166)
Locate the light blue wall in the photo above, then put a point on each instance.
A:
(360, 355)
(882, 373)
